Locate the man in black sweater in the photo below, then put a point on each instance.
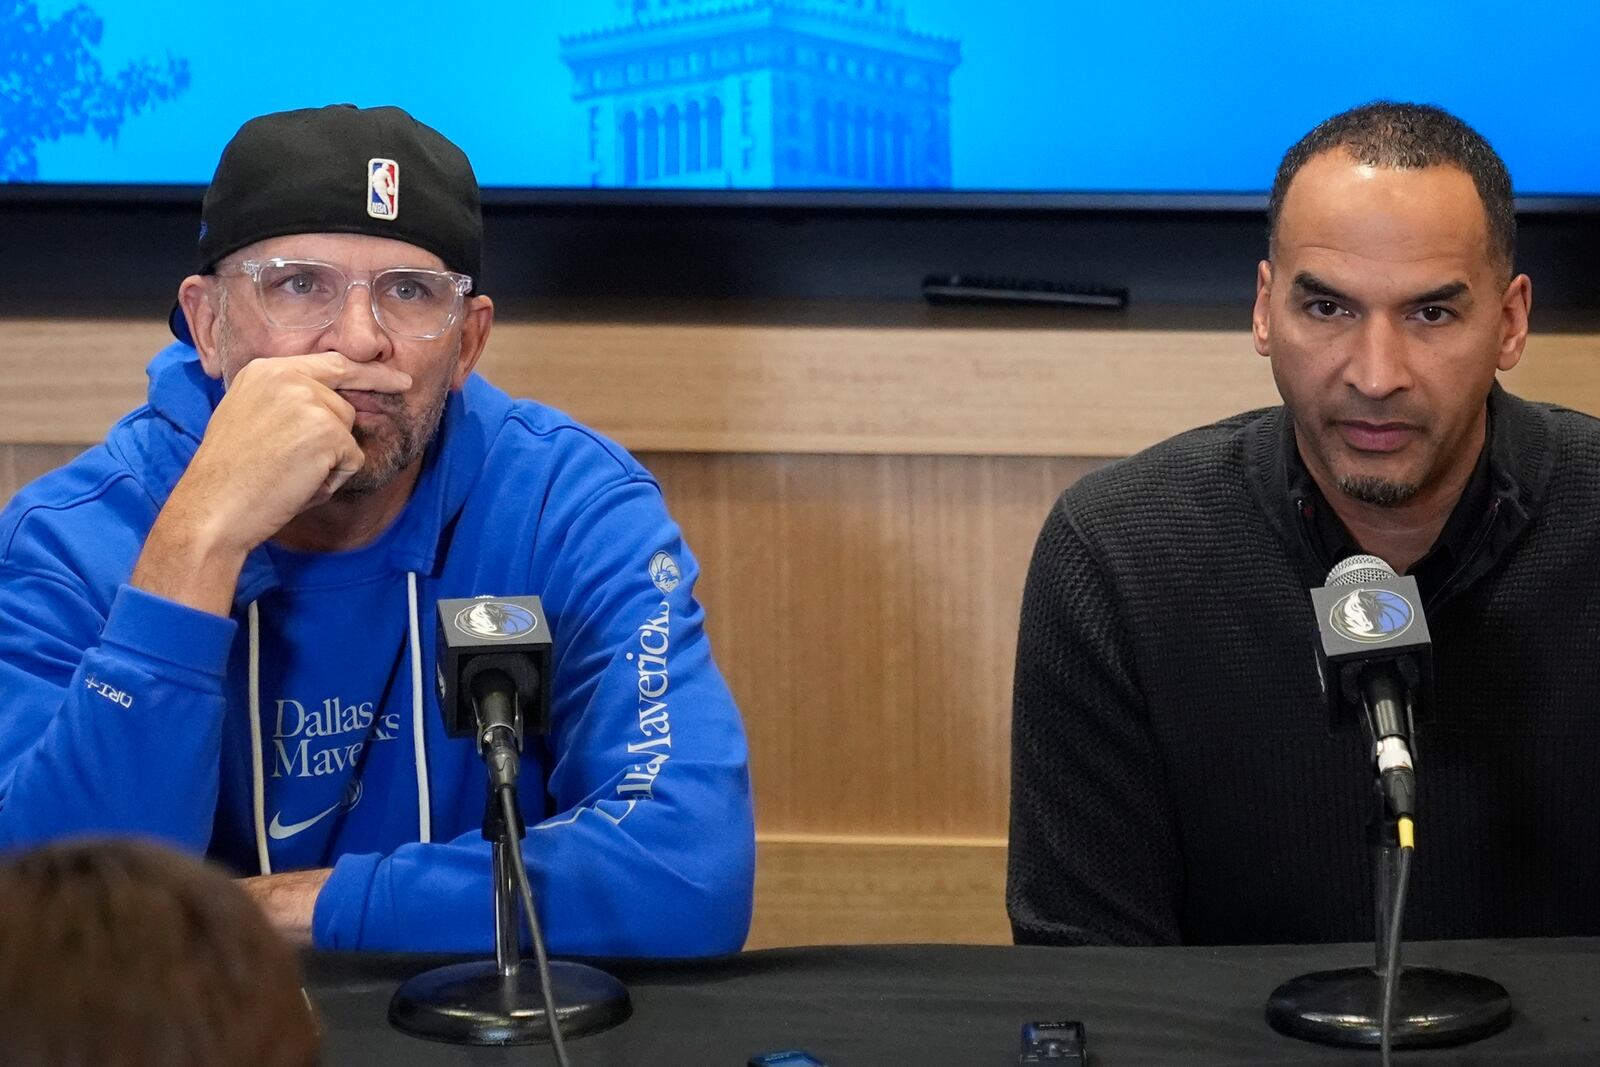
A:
(1174, 778)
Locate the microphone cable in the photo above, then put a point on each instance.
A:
(1391, 969)
(509, 807)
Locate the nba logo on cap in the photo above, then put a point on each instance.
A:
(383, 188)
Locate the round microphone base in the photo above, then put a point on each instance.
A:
(1432, 1008)
(474, 1004)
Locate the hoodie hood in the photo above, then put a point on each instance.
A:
(167, 431)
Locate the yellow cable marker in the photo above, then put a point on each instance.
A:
(1407, 833)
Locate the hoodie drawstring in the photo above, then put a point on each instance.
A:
(418, 733)
(258, 785)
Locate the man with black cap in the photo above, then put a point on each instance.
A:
(213, 626)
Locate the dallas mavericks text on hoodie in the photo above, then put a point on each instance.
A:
(124, 712)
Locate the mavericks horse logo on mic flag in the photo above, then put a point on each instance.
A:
(1372, 615)
(496, 620)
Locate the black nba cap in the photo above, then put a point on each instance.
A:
(341, 169)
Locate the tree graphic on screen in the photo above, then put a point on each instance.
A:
(51, 84)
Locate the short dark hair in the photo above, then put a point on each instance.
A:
(1409, 137)
(125, 954)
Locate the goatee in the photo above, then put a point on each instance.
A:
(1380, 492)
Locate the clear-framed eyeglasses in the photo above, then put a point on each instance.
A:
(303, 294)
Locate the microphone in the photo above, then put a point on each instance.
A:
(1375, 661)
(1375, 664)
(493, 656)
(492, 662)
(494, 704)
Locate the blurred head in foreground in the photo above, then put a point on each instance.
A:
(127, 954)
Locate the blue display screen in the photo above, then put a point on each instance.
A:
(1007, 96)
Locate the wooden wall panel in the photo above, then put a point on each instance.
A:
(864, 609)
(65, 381)
(21, 464)
(856, 890)
(736, 387)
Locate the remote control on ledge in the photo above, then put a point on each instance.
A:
(977, 289)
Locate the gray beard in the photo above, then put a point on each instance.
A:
(413, 436)
(1377, 491)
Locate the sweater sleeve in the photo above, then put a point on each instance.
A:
(645, 843)
(1094, 857)
(110, 720)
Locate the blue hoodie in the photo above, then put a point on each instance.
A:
(124, 712)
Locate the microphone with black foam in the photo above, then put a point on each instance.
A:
(1376, 664)
(495, 697)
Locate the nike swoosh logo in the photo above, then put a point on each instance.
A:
(277, 831)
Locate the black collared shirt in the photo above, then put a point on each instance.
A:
(1453, 547)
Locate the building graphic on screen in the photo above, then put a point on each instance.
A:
(763, 94)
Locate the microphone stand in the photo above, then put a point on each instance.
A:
(1432, 1007)
(498, 1002)
(1373, 652)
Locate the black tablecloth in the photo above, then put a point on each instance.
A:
(963, 1006)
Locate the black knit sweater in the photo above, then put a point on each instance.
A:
(1174, 778)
